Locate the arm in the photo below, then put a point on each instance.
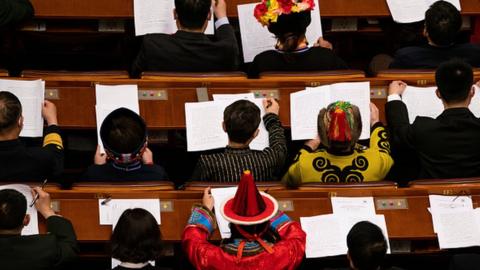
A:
(140, 63)
(379, 141)
(397, 116)
(52, 140)
(293, 177)
(276, 134)
(14, 11)
(225, 33)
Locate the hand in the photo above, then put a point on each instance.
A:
(99, 158)
(374, 114)
(323, 43)
(477, 84)
(147, 157)
(219, 8)
(396, 87)
(271, 106)
(43, 202)
(313, 143)
(207, 200)
(49, 113)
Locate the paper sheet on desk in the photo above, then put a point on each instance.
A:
(256, 38)
(447, 204)
(409, 11)
(457, 229)
(31, 95)
(219, 196)
(32, 227)
(111, 211)
(156, 16)
(360, 206)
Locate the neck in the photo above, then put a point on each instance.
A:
(12, 135)
(302, 43)
(238, 145)
(461, 104)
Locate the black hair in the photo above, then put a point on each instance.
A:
(13, 207)
(454, 80)
(10, 110)
(136, 237)
(192, 14)
(241, 120)
(442, 22)
(289, 29)
(366, 246)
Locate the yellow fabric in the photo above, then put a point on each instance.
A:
(53, 138)
(369, 164)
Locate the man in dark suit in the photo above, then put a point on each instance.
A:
(13, 11)
(189, 49)
(47, 251)
(448, 146)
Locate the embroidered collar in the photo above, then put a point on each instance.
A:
(296, 51)
(128, 167)
(251, 248)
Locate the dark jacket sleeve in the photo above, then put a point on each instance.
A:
(277, 140)
(53, 143)
(226, 35)
(140, 63)
(67, 248)
(397, 119)
(14, 11)
(199, 173)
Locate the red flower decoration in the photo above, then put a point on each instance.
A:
(285, 5)
(259, 10)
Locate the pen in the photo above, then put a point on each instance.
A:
(36, 195)
(104, 202)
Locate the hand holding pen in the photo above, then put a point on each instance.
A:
(35, 198)
(42, 202)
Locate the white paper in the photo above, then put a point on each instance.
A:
(422, 101)
(256, 38)
(112, 210)
(32, 227)
(116, 263)
(31, 95)
(447, 204)
(475, 102)
(409, 11)
(361, 206)
(457, 229)
(156, 16)
(220, 195)
(233, 97)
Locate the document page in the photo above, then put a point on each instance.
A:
(409, 11)
(448, 204)
(359, 206)
(457, 229)
(304, 109)
(111, 211)
(422, 101)
(220, 195)
(32, 227)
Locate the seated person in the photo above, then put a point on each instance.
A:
(189, 49)
(291, 51)
(14, 11)
(442, 24)
(21, 163)
(136, 240)
(262, 237)
(124, 137)
(240, 121)
(46, 251)
(340, 159)
(447, 146)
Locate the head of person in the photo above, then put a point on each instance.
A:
(13, 212)
(454, 81)
(136, 237)
(339, 126)
(366, 246)
(286, 19)
(442, 23)
(241, 120)
(124, 136)
(192, 14)
(11, 120)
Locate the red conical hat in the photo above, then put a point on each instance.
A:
(249, 206)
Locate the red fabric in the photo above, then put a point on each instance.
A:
(247, 201)
(268, 210)
(287, 253)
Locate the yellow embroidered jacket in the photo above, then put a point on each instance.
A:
(362, 164)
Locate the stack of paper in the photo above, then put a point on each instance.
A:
(409, 11)
(257, 39)
(204, 123)
(32, 227)
(305, 106)
(31, 95)
(220, 195)
(327, 234)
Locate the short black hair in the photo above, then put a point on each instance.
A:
(290, 28)
(366, 246)
(454, 80)
(10, 110)
(136, 237)
(13, 208)
(241, 120)
(192, 14)
(443, 22)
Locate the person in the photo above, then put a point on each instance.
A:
(189, 49)
(21, 163)
(447, 146)
(291, 51)
(240, 121)
(136, 240)
(14, 11)
(127, 158)
(46, 251)
(340, 159)
(442, 25)
(261, 236)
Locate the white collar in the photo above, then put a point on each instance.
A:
(133, 265)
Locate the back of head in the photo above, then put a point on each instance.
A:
(289, 29)
(241, 120)
(192, 14)
(442, 23)
(454, 80)
(366, 246)
(13, 207)
(10, 111)
(339, 126)
(136, 237)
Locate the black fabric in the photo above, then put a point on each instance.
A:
(13, 11)
(465, 262)
(38, 252)
(430, 57)
(312, 59)
(21, 163)
(447, 147)
(107, 172)
(188, 52)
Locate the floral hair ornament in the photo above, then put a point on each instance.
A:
(268, 11)
(341, 121)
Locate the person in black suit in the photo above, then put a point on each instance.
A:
(47, 251)
(189, 49)
(14, 11)
(448, 146)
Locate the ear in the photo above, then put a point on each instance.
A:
(175, 16)
(20, 121)
(438, 94)
(223, 126)
(26, 220)
(472, 92)
(209, 16)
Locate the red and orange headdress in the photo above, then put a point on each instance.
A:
(268, 11)
(341, 121)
